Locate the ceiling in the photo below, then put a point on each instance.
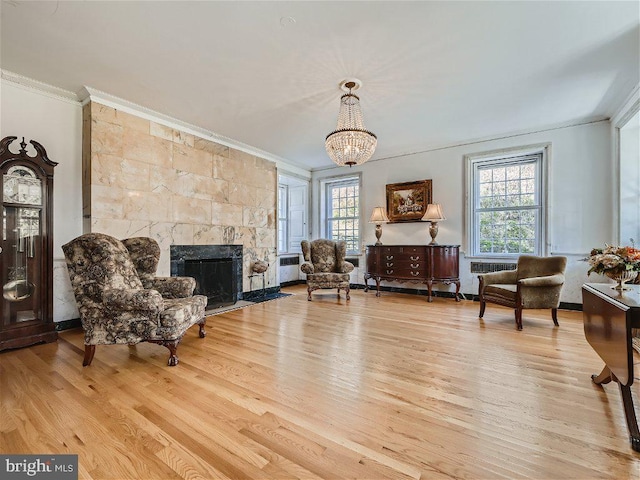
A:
(267, 73)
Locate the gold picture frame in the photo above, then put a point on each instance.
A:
(407, 202)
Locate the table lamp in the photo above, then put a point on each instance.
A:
(433, 215)
(378, 217)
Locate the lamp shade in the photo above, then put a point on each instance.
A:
(433, 213)
(378, 216)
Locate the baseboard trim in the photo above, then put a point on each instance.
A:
(256, 295)
(577, 307)
(465, 296)
(68, 324)
(292, 283)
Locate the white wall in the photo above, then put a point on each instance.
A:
(56, 123)
(630, 181)
(580, 197)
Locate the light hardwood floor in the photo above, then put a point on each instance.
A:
(389, 387)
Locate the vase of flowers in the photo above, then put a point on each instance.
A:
(620, 263)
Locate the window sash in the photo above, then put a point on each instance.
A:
(338, 227)
(507, 236)
(283, 218)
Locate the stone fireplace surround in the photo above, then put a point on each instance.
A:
(180, 254)
(144, 178)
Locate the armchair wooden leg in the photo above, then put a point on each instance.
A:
(173, 347)
(201, 325)
(483, 305)
(89, 352)
(309, 290)
(519, 318)
(347, 290)
(554, 316)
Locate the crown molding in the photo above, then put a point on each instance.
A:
(39, 87)
(628, 108)
(89, 94)
(445, 146)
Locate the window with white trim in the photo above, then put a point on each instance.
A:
(292, 213)
(283, 218)
(343, 212)
(507, 205)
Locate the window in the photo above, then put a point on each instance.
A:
(343, 212)
(507, 205)
(283, 218)
(292, 213)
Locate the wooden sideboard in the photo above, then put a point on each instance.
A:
(609, 317)
(413, 263)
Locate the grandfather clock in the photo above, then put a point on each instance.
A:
(26, 251)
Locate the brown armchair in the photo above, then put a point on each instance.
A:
(116, 308)
(325, 265)
(536, 283)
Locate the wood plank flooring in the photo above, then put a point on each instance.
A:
(389, 387)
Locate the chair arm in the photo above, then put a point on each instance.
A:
(307, 268)
(346, 267)
(547, 281)
(133, 300)
(174, 287)
(496, 278)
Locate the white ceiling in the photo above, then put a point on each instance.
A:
(267, 73)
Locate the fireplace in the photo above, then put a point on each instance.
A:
(216, 268)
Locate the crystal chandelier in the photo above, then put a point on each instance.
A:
(350, 143)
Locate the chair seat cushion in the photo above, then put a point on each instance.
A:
(328, 280)
(179, 314)
(503, 292)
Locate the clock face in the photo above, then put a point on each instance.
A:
(21, 185)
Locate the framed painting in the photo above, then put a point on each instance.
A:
(407, 202)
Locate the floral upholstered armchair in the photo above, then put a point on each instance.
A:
(535, 283)
(116, 308)
(145, 255)
(325, 265)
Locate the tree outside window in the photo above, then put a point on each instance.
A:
(343, 212)
(507, 205)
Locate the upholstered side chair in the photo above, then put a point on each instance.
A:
(114, 305)
(325, 265)
(535, 283)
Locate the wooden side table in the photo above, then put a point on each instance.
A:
(609, 316)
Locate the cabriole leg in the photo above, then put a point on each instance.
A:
(89, 352)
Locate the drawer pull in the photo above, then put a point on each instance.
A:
(417, 265)
(389, 272)
(389, 264)
(389, 257)
(414, 259)
(414, 274)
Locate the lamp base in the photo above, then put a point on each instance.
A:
(433, 231)
(378, 234)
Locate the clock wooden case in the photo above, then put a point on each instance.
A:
(26, 250)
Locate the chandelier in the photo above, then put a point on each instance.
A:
(350, 143)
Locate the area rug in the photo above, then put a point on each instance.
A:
(244, 303)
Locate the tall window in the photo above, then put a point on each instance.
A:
(283, 218)
(343, 212)
(507, 205)
(292, 213)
